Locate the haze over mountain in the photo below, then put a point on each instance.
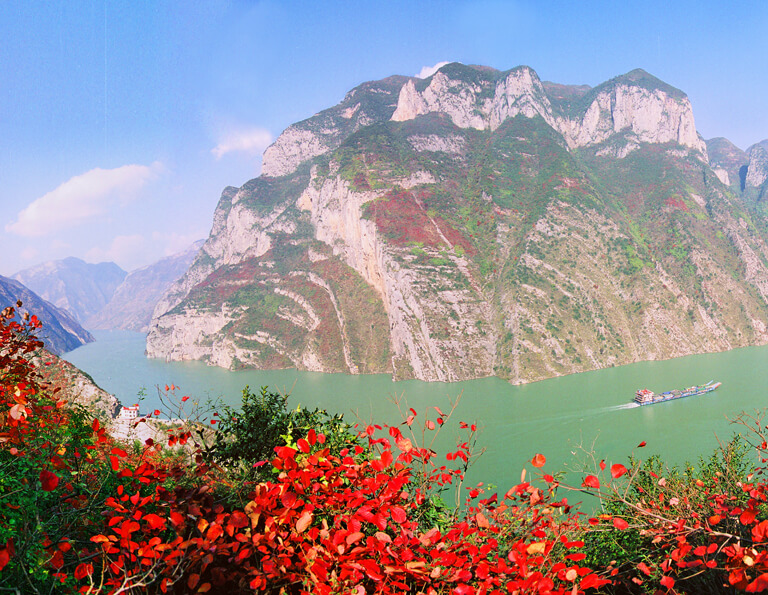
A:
(479, 223)
(60, 332)
(80, 288)
(135, 298)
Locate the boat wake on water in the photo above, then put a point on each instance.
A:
(623, 406)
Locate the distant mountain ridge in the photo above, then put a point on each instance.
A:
(80, 288)
(478, 223)
(134, 300)
(60, 332)
(104, 295)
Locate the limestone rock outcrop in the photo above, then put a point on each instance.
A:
(477, 223)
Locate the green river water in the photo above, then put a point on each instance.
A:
(554, 417)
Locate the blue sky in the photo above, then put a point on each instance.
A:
(121, 122)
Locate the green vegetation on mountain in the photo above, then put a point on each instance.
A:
(498, 226)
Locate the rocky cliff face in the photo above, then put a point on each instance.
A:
(364, 105)
(476, 223)
(636, 104)
(77, 387)
(757, 168)
(728, 162)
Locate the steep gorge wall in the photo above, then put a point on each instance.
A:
(565, 276)
(414, 299)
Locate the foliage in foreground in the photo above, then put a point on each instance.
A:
(326, 511)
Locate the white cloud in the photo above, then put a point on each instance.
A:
(251, 140)
(81, 198)
(428, 71)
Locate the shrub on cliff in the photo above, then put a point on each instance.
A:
(249, 434)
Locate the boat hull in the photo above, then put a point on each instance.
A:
(645, 397)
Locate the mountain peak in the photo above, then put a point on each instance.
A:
(481, 97)
(643, 79)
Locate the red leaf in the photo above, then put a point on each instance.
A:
(590, 481)
(641, 444)
(404, 445)
(538, 460)
(354, 537)
(760, 532)
(305, 520)
(618, 470)
(5, 557)
(398, 514)
(193, 580)
(57, 560)
(285, 452)
(642, 567)
(619, 523)
(177, 519)
(748, 516)
(238, 519)
(667, 582)
(49, 480)
(119, 452)
(591, 580)
(184, 399)
(155, 521)
(289, 499)
(83, 570)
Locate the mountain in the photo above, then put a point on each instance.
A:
(728, 162)
(60, 332)
(135, 298)
(80, 288)
(477, 223)
(77, 387)
(756, 179)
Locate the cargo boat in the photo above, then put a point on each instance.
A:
(648, 397)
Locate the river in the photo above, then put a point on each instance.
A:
(555, 417)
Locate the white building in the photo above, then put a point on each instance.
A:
(128, 413)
